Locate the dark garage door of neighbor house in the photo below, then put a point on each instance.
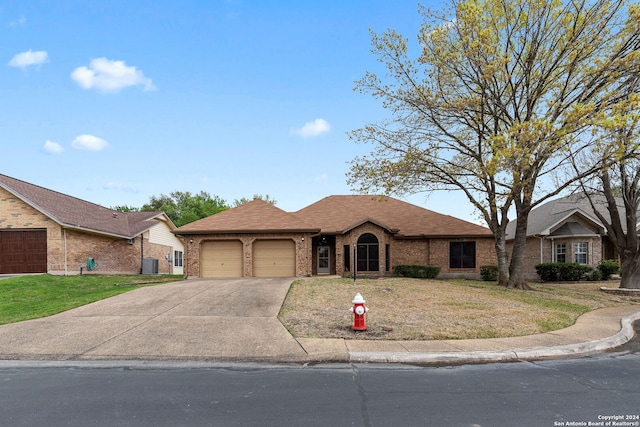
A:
(23, 251)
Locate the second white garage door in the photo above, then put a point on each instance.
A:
(274, 258)
(222, 258)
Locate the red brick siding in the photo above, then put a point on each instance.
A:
(112, 255)
(16, 214)
(193, 243)
(415, 251)
(410, 252)
(539, 250)
(485, 255)
(402, 251)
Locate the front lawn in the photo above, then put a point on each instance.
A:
(31, 297)
(415, 309)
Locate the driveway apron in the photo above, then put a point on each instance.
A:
(203, 319)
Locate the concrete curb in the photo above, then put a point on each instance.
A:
(625, 334)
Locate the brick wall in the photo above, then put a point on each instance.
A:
(539, 250)
(414, 251)
(113, 255)
(402, 251)
(485, 255)
(15, 214)
(352, 237)
(193, 243)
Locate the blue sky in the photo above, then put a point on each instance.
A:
(116, 101)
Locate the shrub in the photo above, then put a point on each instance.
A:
(489, 273)
(594, 276)
(417, 271)
(563, 272)
(608, 267)
(547, 271)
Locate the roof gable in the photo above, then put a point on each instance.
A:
(339, 214)
(252, 217)
(544, 219)
(573, 229)
(72, 212)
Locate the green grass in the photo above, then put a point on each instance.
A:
(32, 297)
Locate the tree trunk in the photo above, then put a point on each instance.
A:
(629, 271)
(518, 252)
(503, 260)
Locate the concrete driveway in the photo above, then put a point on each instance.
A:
(203, 319)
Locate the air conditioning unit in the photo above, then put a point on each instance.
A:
(149, 266)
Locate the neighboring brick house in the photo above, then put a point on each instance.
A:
(43, 231)
(333, 236)
(565, 230)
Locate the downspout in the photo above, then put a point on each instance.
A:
(141, 251)
(64, 244)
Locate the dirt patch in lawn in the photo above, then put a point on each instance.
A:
(412, 309)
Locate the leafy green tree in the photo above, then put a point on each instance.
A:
(244, 200)
(501, 97)
(124, 208)
(182, 207)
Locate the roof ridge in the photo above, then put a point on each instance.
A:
(74, 212)
(53, 191)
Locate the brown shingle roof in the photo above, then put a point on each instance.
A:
(72, 212)
(255, 216)
(339, 214)
(336, 215)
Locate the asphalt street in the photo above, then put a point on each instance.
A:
(524, 394)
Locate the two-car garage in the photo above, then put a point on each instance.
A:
(268, 258)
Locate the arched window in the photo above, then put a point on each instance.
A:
(368, 258)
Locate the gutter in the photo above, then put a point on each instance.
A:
(255, 231)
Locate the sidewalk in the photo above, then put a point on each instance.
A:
(598, 330)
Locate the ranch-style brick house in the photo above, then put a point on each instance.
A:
(333, 236)
(566, 230)
(43, 231)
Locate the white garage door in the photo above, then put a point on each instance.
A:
(274, 258)
(221, 258)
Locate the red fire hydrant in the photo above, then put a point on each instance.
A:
(358, 311)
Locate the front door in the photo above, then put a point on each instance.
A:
(324, 260)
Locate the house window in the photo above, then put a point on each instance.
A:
(387, 257)
(347, 258)
(462, 255)
(177, 258)
(368, 258)
(580, 253)
(561, 252)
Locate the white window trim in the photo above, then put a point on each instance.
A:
(578, 250)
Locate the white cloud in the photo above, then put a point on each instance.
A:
(28, 58)
(89, 142)
(52, 147)
(110, 76)
(311, 129)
